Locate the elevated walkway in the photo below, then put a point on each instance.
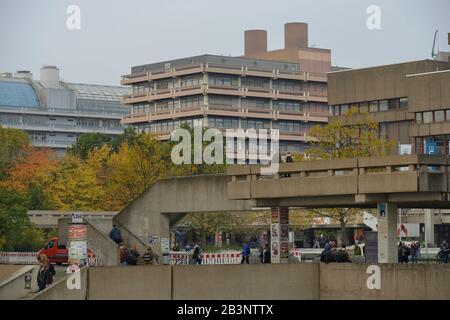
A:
(409, 181)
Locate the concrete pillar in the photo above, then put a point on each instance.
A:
(387, 233)
(429, 227)
(279, 234)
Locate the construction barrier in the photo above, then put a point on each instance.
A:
(227, 257)
(178, 258)
(18, 257)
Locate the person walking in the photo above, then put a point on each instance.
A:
(197, 255)
(414, 252)
(45, 275)
(245, 254)
(265, 254)
(116, 235)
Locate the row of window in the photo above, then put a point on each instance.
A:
(433, 116)
(43, 121)
(372, 106)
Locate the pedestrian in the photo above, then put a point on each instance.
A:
(265, 254)
(245, 253)
(414, 253)
(123, 251)
(132, 256)
(316, 243)
(444, 252)
(45, 275)
(197, 255)
(150, 257)
(116, 235)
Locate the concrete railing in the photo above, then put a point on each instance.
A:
(389, 174)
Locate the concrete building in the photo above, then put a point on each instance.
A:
(54, 112)
(283, 89)
(410, 101)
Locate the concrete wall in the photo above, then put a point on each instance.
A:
(398, 281)
(261, 282)
(102, 246)
(133, 282)
(257, 282)
(13, 287)
(59, 290)
(6, 270)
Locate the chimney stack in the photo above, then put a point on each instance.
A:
(295, 35)
(255, 41)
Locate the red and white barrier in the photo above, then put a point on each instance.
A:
(18, 258)
(178, 258)
(297, 253)
(226, 257)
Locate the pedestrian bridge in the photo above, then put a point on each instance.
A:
(410, 181)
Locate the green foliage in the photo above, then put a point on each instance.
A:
(88, 142)
(16, 231)
(12, 145)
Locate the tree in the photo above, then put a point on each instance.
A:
(88, 142)
(16, 231)
(351, 136)
(72, 184)
(134, 168)
(13, 142)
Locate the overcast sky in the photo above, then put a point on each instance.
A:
(116, 35)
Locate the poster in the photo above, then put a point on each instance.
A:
(76, 232)
(78, 250)
(284, 250)
(165, 245)
(153, 239)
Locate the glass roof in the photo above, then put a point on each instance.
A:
(16, 94)
(98, 92)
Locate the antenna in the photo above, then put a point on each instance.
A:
(434, 44)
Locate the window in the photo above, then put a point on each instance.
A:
(403, 103)
(447, 115)
(344, 109)
(363, 107)
(439, 116)
(373, 106)
(419, 118)
(384, 105)
(393, 104)
(428, 117)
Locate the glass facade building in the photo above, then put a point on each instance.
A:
(54, 113)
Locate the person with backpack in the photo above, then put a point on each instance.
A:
(132, 256)
(197, 255)
(116, 235)
(45, 273)
(245, 253)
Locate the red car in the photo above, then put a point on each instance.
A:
(55, 252)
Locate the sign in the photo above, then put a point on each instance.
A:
(165, 245)
(431, 147)
(319, 221)
(77, 217)
(153, 239)
(279, 234)
(78, 250)
(405, 149)
(408, 230)
(76, 232)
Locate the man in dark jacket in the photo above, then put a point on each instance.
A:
(115, 235)
(265, 254)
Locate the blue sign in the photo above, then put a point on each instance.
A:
(431, 147)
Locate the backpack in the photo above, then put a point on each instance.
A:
(131, 258)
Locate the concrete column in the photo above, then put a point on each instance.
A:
(387, 233)
(429, 227)
(279, 234)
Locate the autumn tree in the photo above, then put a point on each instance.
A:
(13, 142)
(134, 168)
(350, 136)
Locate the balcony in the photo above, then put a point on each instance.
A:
(223, 69)
(154, 95)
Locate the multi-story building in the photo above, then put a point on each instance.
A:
(284, 89)
(410, 101)
(53, 112)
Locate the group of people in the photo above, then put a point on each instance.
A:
(408, 253)
(264, 255)
(131, 256)
(331, 253)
